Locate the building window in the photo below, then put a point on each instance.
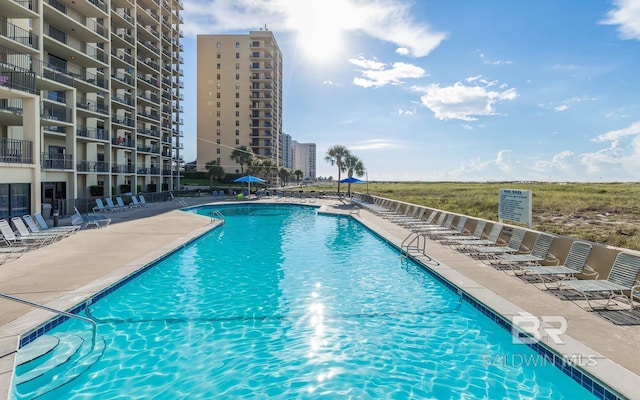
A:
(218, 66)
(218, 141)
(218, 150)
(237, 77)
(219, 85)
(218, 95)
(237, 123)
(218, 160)
(237, 141)
(218, 104)
(237, 65)
(237, 86)
(237, 95)
(15, 199)
(218, 123)
(218, 55)
(237, 45)
(218, 76)
(255, 44)
(237, 55)
(217, 132)
(218, 45)
(237, 114)
(237, 104)
(218, 114)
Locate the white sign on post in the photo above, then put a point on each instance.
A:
(515, 205)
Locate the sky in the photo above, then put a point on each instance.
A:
(460, 90)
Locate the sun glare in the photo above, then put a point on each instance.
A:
(320, 26)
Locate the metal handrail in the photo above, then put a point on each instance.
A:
(94, 326)
(216, 215)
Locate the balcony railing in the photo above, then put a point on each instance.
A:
(92, 133)
(18, 78)
(56, 161)
(92, 166)
(16, 151)
(123, 168)
(55, 112)
(20, 35)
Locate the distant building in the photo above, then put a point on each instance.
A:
(305, 159)
(239, 98)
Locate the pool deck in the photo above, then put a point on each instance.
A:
(65, 273)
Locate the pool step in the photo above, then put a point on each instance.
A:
(45, 367)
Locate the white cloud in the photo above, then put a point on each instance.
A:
(623, 152)
(330, 83)
(563, 107)
(376, 74)
(462, 101)
(627, 16)
(386, 20)
(496, 169)
(411, 111)
(375, 144)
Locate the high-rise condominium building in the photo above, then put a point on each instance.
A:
(305, 159)
(239, 98)
(90, 94)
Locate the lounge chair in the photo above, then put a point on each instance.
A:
(621, 279)
(459, 228)
(110, 206)
(446, 226)
(11, 239)
(574, 264)
(429, 221)
(23, 231)
(514, 245)
(42, 224)
(120, 203)
(469, 245)
(61, 230)
(539, 253)
(476, 235)
(100, 207)
(11, 253)
(429, 224)
(143, 201)
(99, 221)
(135, 203)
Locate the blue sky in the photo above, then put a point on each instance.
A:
(461, 90)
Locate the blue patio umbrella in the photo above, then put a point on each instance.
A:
(249, 179)
(351, 179)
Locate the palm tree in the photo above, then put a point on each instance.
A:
(354, 166)
(242, 155)
(298, 173)
(284, 175)
(214, 171)
(335, 156)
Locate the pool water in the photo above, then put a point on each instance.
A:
(280, 302)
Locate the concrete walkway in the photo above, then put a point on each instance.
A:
(67, 272)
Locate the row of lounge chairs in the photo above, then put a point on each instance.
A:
(110, 206)
(513, 257)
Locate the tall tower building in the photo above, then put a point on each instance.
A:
(90, 94)
(239, 98)
(305, 159)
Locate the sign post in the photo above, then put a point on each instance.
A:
(515, 205)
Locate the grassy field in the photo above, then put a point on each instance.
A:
(607, 213)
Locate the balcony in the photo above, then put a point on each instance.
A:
(123, 168)
(56, 161)
(92, 133)
(14, 77)
(92, 166)
(16, 151)
(17, 34)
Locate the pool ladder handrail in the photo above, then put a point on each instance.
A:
(216, 215)
(181, 202)
(94, 326)
(411, 239)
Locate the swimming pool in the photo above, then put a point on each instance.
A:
(281, 302)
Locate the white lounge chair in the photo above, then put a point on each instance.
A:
(539, 253)
(619, 285)
(469, 245)
(476, 235)
(83, 221)
(513, 246)
(575, 263)
(11, 239)
(23, 231)
(61, 230)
